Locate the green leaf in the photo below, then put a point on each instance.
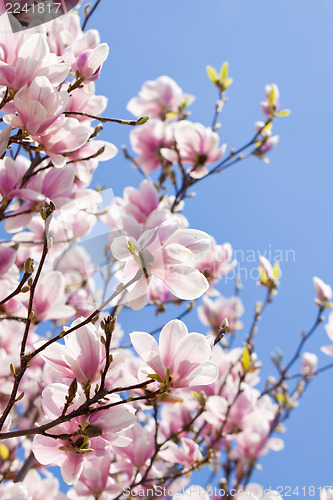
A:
(246, 359)
(224, 71)
(212, 74)
(228, 82)
(284, 112)
(272, 97)
(156, 377)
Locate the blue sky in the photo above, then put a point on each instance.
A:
(285, 205)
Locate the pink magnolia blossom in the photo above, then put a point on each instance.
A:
(269, 275)
(309, 363)
(212, 313)
(270, 105)
(89, 63)
(187, 453)
(38, 487)
(197, 145)
(82, 356)
(158, 292)
(11, 174)
(38, 106)
(158, 97)
(254, 441)
(84, 100)
(56, 185)
(25, 55)
(265, 140)
(186, 355)
(95, 482)
(323, 291)
(216, 263)
(147, 142)
(70, 454)
(50, 299)
(66, 32)
(64, 136)
(165, 252)
(9, 491)
(264, 146)
(139, 210)
(142, 446)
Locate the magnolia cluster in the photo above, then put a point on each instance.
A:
(164, 141)
(114, 421)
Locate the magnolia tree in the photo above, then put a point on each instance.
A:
(139, 416)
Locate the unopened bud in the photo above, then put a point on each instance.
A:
(258, 308)
(225, 325)
(224, 328)
(29, 265)
(142, 120)
(109, 324)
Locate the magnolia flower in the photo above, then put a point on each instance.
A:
(70, 454)
(57, 185)
(95, 481)
(216, 263)
(84, 100)
(188, 453)
(139, 210)
(323, 291)
(269, 275)
(50, 299)
(142, 446)
(166, 252)
(212, 313)
(158, 97)
(309, 363)
(89, 63)
(272, 102)
(65, 135)
(147, 142)
(197, 145)
(185, 355)
(38, 106)
(82, 356)
(25, 56)
(11, 174)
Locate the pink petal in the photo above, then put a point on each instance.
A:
(170, 337)
(204, 374)
(72, 467)
(147, 348)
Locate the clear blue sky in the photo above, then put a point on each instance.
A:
(281, 206)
